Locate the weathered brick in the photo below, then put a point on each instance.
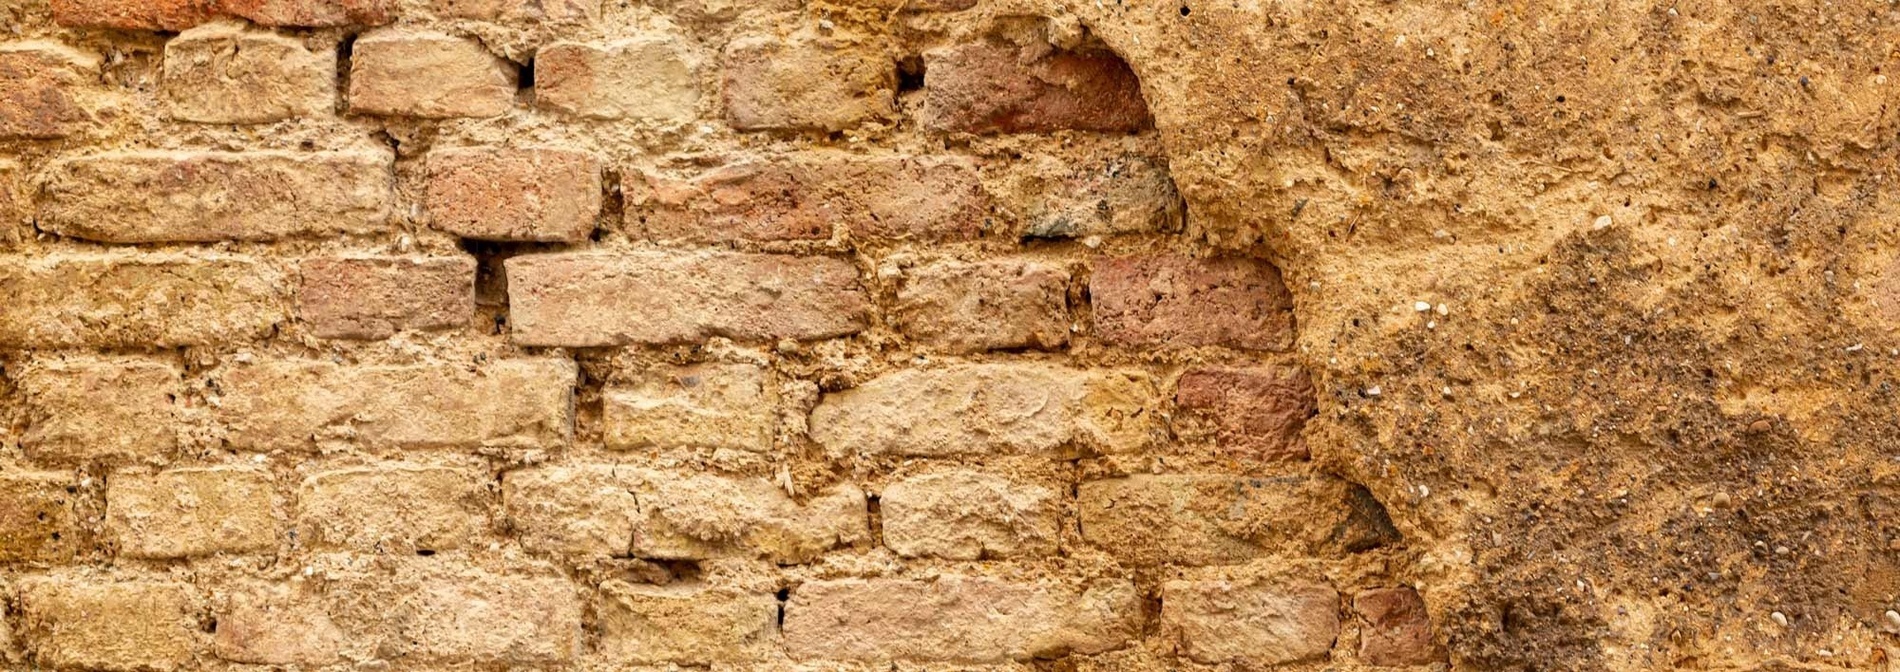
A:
(70, 622)
(39, 87)
(287, 405)
(717, 406)
(907, 198)
(223, 73)
(523, 11)
(314, 13)
(616, 511)
(599, 299)
(1398, 629)
(990, 409)
(912, 5)
(1209, 519)
(964, 619)
(39, 516)
(777, 83)
(1256, 412)
(1253, 624)
(375, 297)
(393, 508)
(192, 512)
(685, 625)
(428, 75)
(162, 196)
(114, 408)
(172, 15)
(964, 515)
(991, 305)
(428, 613)
(988, 88)
(140, 301)
(275, 624)
(491, 193)
(1175, 301)
(647, 78)
(1060, 197)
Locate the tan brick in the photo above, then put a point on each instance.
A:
(991, 305)
(70, 622)
(1175, 301)
(429, 75)
(912, 5)
(164, 196)
(778, 83)
(275, 624)
(716, 406)
(39, 517)
(393, 508)
(616, 511)
(1059, 196)
(990, 409)
(430, 613)
(375, 297)
(964, 619)
(223, 73)
(1398, 628)
(965, 515)
(649, 78)
(988, 88)
(192, 512)
(113, 408)
(514, 194)
(171, 15)
(1255, 412)
(40, 85)
(598, 299)
(799, 198)
(1258, 624)
(291, 405)
(522, 11)
(1210, 519)
(314, 13)
(685, 625)
(136, 301)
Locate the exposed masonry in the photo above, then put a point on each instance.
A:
(335, 336)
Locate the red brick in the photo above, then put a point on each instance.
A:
(986, 88)
(599, 299)
(428, 75)
(139, 301)
(39, 82)
(1176, 301)
(299, 404)
(81, 622)
(314, 13)
(1398, 629)
(40, 516)
(913, 198)
(993, 305)
(803, 84)
(192, 512)
(649, 78)
(375, 297)
(545, 195)
(82, 410)
(171, 15)
(161, 196)
(962, 619)
(1252, 624)
(222, 73)
(1254, 412)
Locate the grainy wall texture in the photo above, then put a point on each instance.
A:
(1053, 335)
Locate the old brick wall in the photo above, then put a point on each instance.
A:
(430, 334)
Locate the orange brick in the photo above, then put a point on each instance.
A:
(314, 13)
(1176, 302)
(172, 15)
(514, 194)
(39, 84)
(987, 88)
(375, 297)
(428, 75)
(650, 79)
(1256, 412)
(789, 84)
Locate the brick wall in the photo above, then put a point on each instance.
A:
(399, 334)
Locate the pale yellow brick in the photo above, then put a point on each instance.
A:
(648, 78)
(192, 512)
(1258, 623)
(275, 624)
(427, 613)
(966, 515)
(990, 409)
(40, 516)
(137, 301)
(716, 406)
(962, 619)
(223, 73)
(1217, 519)
(393, 508)
(84, 622)
(397, 71)
(199, 196)
(109, 408)
(685, 625)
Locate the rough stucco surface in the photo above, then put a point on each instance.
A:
(928, 335)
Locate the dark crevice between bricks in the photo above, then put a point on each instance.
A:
(1367, 525)
(910, 74)
(345, 50)
(784, 596)
(524, 82)
(874, 515)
